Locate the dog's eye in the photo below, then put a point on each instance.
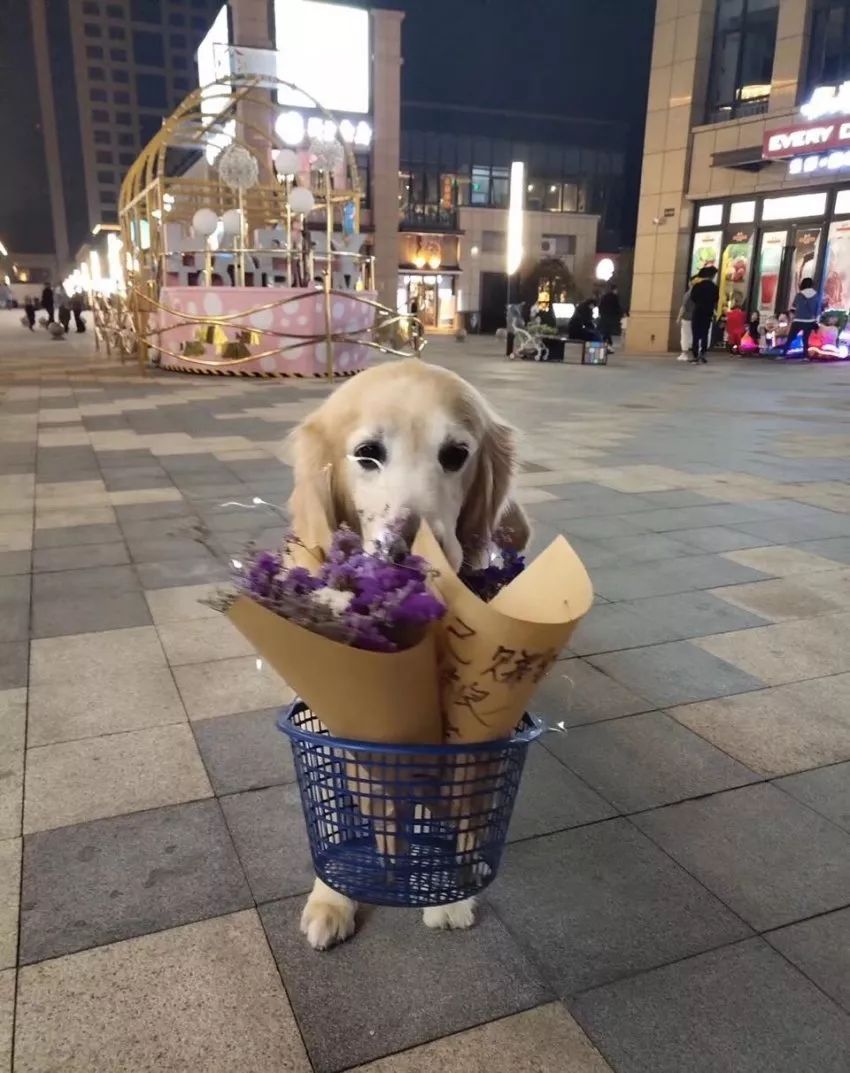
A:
(370, 455)
(453, 456)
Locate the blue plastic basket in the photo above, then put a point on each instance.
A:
(415, 825)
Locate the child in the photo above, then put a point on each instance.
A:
(751, 339)
(736, 324)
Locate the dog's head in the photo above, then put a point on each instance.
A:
(404, 442)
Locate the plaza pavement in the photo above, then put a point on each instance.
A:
(676, 894)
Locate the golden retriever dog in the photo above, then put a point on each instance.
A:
(407, 442)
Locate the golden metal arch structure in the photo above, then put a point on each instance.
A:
(175, 175)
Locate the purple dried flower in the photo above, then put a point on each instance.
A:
(505, 564)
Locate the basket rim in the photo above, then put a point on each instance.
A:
(533, 728)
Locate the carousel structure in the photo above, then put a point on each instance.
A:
(240, 251)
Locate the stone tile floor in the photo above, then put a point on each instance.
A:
(675, 897)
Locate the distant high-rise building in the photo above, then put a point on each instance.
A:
(85, 83)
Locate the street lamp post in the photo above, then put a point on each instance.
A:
(515, 240)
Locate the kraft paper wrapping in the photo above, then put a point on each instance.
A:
(492, 656)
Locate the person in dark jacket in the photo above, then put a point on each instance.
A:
(704, 295)
(47, 302)
(77, 310)
(29, 310)
(610, 315)
(805, 309)
(64, 315)
(581, 326)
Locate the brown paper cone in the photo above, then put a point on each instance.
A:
(493, 655)
(388, 697)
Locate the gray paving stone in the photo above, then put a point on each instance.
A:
(70, 535)
(178, 572)
(837, 548)
(672, 576)
(644, 761)
(244, 752)
(267, 827)
(599, 902)
(90, 612)
(820, 947)
(139, 512)
(15, 619)
(80, 556)
(14, 658)
(83, 582)
(826, 790)
(720, 514)
(166, 548)
(743, 1009)
(551, 798)
(396, 984)
(111, 879)
(606, 501)
(674, 673)
(719, 538)
(797, 530)
(15, 562)
(573, 692)
(768, 857)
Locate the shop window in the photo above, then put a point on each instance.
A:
(710, 216)
(793, 207)
(492, 241)
(480, 187)
(559, 245)
(552, 197)
(570, 198)
(500, 188)
(829, 47)
(742, 58)
(842, 202)
(742, 212)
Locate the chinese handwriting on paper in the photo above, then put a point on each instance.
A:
(510, 665)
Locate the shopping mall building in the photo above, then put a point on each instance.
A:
(746, 159)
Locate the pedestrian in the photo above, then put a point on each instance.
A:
(736, 325)
(704, 295)
(804, 309)
(77, 310)
(686, 334)
(610, 316)
(64, 315)
(47, 302)
(582, 327)
(29, 310)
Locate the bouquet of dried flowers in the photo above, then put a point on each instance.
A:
(375, 599)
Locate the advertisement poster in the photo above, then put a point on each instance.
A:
(735, 269)
(770, 265)
(836, 277)
(706, 250)
(806, 246)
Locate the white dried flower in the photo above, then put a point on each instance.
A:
(328, 155)
(238, 168)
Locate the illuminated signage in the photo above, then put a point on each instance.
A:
(828, 101)
(292, 128)
(821, 129)
(323, 49)
(837, 160)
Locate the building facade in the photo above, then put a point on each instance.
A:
(94, 79)
(746, 160)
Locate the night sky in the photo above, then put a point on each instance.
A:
(585, 58)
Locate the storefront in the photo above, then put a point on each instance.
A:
(431, 296)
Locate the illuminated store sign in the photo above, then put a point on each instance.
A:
(822, 130)
(837, 160)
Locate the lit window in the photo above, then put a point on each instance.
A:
(710, 216)
(793, 206)
(742, 212)
(842, 201)
(569, 201)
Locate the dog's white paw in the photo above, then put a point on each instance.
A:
(328, 917)
(450, 917)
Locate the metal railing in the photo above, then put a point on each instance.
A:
(427, 218)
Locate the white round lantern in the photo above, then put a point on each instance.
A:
(204, 222)
(289, 127)
(231, 222)
(301, 199)
(286, 162)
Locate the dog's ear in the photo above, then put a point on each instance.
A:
(312, 501)
(488, 490)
